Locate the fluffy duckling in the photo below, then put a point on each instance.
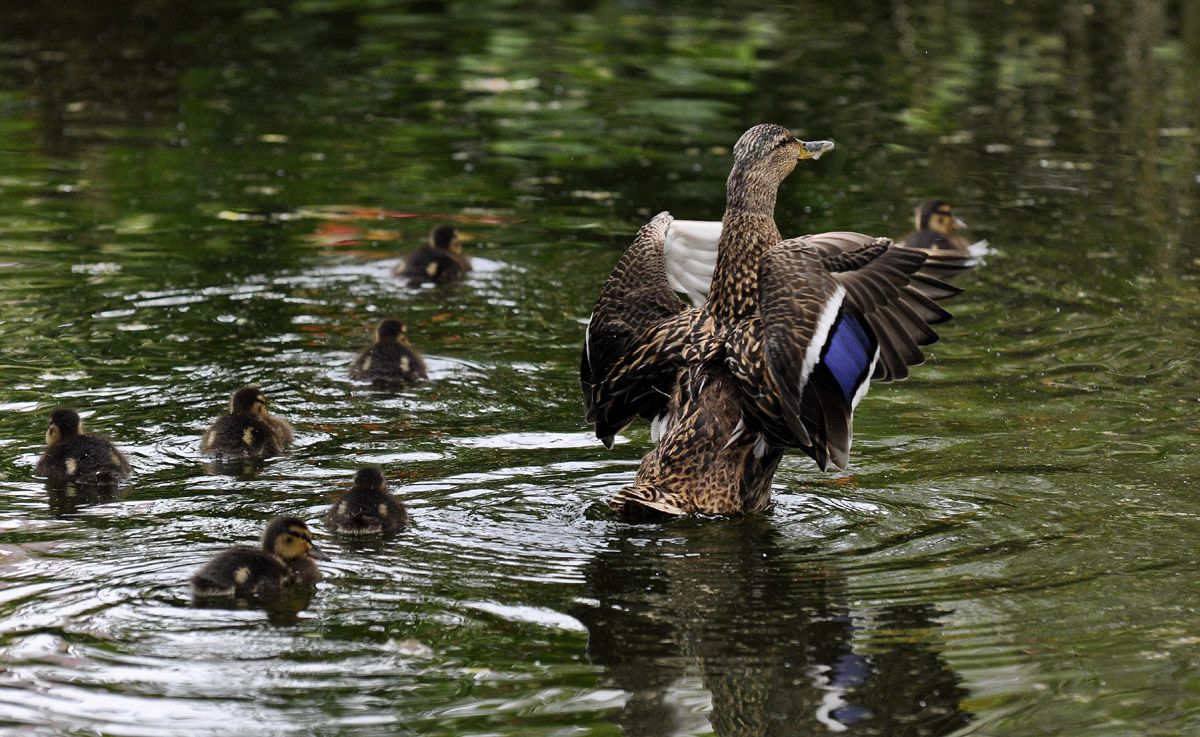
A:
(367, 509)
(440, 262)
(247, 429)
(73, 455)
(936, 229)
(391, 358)
(285, 558)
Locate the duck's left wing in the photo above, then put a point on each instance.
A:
(633, 346)
(838, 310)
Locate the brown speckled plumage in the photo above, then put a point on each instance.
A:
(777, 357)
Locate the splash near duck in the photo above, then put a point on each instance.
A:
(782, 344)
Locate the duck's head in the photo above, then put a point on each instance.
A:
(369, 478)
(248, 400)
(64, 425)
(937, 216)
(773, 151)
(289, 538)
(391, 330)
(445, 238)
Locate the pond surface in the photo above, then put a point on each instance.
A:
(199, 196)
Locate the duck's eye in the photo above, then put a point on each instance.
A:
(784, 142)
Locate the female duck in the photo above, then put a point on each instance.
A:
(440, 262)
(391, 359)
(73, 455)
(784, 345)
(284, 558)
(247, 429)
(367, 508)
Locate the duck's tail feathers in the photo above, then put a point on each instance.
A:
(640, 500)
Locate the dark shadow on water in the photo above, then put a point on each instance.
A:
(282, 609)
(772, 637)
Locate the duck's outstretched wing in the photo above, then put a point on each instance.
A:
(690, 252)
(633, 346)
(838, 310)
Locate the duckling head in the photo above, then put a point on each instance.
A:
(445, 237)
(772, 151)
(248, 400)
(369, 478)
(391, 330)
(288, 538)
(64, 425)
(937, 216)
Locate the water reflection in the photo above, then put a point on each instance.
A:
(726, 617)
(67, 498)
(282, 609)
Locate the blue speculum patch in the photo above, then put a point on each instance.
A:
(848, 353)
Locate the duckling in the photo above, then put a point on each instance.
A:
(284, 558)
(73, 455)
(247, 429)
(937, 231)
(367, 509)
(440, 262)
(391, 358)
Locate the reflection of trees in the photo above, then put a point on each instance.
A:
(771, 636)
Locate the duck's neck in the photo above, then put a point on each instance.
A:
(747, 231)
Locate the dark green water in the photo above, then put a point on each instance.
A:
(1011, 552)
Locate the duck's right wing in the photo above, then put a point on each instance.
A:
(838, 311)
(633, 346)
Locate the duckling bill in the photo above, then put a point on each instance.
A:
(391, 359)
(285, 557)
(367, 508)
(73, 455)
(248, 429)
(440, 262)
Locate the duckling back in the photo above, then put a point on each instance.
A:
(245, 435)
(429, 264)
(84, 459)
(389, 363)
(931, 240)
(247, 571)
(363, 511)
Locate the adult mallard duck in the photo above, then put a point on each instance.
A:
(248, 429)
(75, 456)
(391, 359)
(937, 231)
(780, 352)
(440, 262)
(367, 508)
(284, 558)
